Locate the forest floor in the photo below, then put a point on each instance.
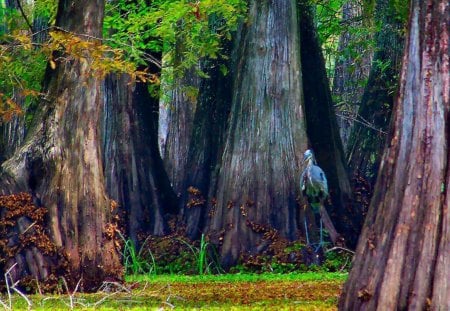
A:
(300, 291)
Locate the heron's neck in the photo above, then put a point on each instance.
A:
(310, 162)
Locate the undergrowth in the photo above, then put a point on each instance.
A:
(178, 255)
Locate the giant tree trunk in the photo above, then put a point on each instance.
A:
(134, 172)
(368, 136)
(179, 118)
(323, 132)
(258, 178)
(61, 163)
(402, 260)
(352, 67)
(207, 142)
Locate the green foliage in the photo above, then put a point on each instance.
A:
(204, 257)
(400, 10)
(133, 29)
(46, 9)
(337, 261)
(137, 261)
(331, 26)
(22, 64)
(170, 255)
(140, 27)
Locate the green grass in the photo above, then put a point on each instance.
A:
(301, 277)
(294, 291)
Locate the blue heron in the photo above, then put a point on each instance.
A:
(314, 186)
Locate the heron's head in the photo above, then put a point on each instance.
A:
(308, 155)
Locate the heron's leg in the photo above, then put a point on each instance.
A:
(321, 232)
(306, 232)
(321, 235)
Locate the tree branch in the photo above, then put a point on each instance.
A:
(19, 5)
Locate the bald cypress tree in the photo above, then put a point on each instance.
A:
(402, 260)
(60, 165)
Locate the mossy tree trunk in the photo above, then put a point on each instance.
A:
(265, 140)
(60, 162)
(402, 261)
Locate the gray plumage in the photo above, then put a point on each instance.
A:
(313, 182)
(314, 186)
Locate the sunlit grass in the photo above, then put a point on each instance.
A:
(293, 291)
(301, 277)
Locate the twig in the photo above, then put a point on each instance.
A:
(107, 285)
(13, 285)
(341, 248)
(362, 121)
(29, 227)
(4, 305)
(71, 295)
(344, 265)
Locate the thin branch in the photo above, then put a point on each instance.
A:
(339, 248)
(362, 122)
(24, 16)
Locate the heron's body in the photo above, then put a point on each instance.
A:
(314, 186)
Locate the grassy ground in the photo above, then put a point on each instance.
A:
(302, 291)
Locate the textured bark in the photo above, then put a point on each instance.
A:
(60, 161)
(323, 132)
(12, 132)
(179, 118)
(134, 173)
(206, 146)
(351, 69)
(367, 140)
(402, 260)
(258, 178)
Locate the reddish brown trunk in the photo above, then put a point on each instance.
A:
(61, 164)
(134, 173)
(258, 180)
(402, 258)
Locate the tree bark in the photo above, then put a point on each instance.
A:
(258, 178)
(323, 132)
(207, 143)
(402, 260)
(60, 162)
(134, 172)
(179, 118)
